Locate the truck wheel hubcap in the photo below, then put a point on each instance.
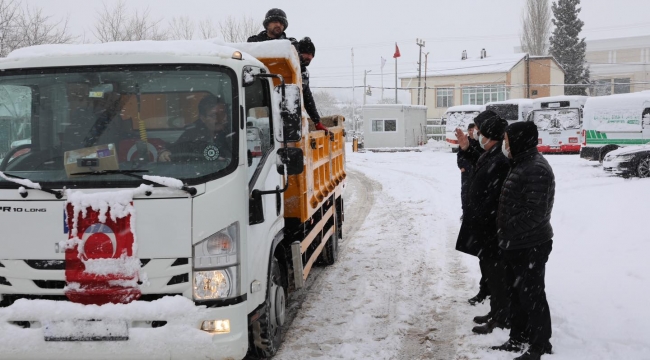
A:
(278, 305)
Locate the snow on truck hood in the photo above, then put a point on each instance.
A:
(177, 48)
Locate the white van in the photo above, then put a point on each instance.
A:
(559, 122)
(459, 117)
(511, 110)
(615, 121)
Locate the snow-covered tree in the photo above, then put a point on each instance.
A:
(536, 27)
(567, 47)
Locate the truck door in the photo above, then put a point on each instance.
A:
(263, 175)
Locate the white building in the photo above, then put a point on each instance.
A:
(398, 125)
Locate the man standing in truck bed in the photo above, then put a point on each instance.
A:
(275, 23)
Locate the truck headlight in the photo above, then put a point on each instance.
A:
(218, 250)
(216, 263)
(210, 285)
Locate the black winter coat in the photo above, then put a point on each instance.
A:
(264, 36)
(310, 103)
(478, 233)
(526, 202)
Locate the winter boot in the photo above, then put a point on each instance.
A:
(510, 345)
(529, 355)
(488, 327)
(478, 299)
(483, 319)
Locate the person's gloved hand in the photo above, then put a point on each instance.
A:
(320, 126)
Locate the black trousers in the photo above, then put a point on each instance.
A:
(530, 314)
(483, 285)
(495, 278)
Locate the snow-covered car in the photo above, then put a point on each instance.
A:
(629, 161)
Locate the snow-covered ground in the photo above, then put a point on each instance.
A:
(399, 289)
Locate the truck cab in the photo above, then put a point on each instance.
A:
(179, 181)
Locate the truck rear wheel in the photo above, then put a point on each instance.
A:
(266, 331)
(331, 250)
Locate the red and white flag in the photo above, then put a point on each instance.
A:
(397, 54)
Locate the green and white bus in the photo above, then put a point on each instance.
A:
(614, 121)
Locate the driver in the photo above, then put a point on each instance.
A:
(208, 137)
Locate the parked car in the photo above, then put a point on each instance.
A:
(629, 161)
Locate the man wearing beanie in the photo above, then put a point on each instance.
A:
(307, 51)
(525, 236)
(478, 234)
(275, 23)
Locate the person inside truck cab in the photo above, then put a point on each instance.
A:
(275, 23)
(208, 138)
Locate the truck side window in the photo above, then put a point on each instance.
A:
(646, 117)
(259, 133)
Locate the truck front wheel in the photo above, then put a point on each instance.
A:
(266, 330)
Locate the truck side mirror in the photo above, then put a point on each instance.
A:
(293, 159)
(290, 112)
(248, 75)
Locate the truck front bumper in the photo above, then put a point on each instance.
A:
(169, 328)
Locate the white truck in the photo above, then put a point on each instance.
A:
(559, 123)
(143, 219)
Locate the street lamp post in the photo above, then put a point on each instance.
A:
(365, 92)
(419, 43)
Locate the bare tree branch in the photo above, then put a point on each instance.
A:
(114, 24)
(208, 29)
(536, 27)
(37, 29)
(238, 30)
(9, 13)
(181, 28)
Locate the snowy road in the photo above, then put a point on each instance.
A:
(393, 293)
(399, 288)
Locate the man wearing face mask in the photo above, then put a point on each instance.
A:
(478, 234)
(468, 153)
(525, 236)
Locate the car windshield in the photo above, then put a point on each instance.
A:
(175, 121)
(557, 119)
(460, 119)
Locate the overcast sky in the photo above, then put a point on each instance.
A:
(373, 27)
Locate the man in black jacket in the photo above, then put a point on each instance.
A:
(525, 236)
(468, 153)
(490, 171)
(466, 167)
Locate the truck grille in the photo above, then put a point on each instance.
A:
(46, 264)
(3, 281)
(49, 284)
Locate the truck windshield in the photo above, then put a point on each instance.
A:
(178, 121)
(557, 119)
(460, 119)
(508, 112)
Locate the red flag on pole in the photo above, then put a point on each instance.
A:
(397, 54)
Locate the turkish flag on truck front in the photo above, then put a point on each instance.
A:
(101, 267)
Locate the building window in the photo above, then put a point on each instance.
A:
(481, 95)
(444, 97)
(601, 87)
(384, 125)
(622, 86)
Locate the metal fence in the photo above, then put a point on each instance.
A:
(436, 132)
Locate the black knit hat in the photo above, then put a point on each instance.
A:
(480, 118)
(305, 46)
(276, 14)
(494, 128)
(522, 136)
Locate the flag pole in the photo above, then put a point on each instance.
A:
(395, 79)
(382, 78)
